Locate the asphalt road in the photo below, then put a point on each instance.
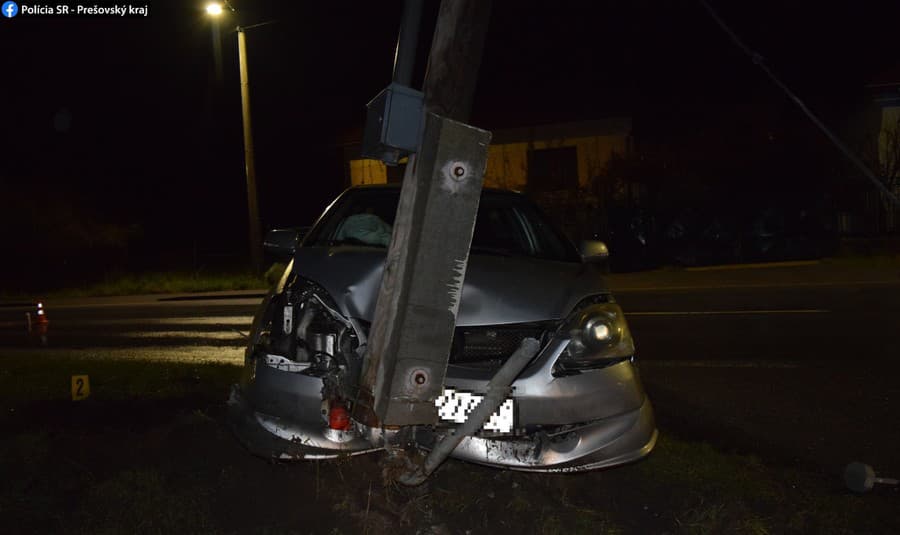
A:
(134, 323)
(802, 374)
(778, 325)
(797, 375)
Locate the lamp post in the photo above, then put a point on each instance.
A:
(215, 10)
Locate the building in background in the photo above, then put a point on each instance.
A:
(886, 95)
(866, 211)
(558, 165)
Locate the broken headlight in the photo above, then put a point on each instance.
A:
(598, 336)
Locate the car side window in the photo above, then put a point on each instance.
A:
(498, 229)
(365, 218)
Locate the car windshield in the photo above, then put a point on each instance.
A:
(507, 225)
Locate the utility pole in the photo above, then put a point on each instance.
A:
(407, 42)
(249, 166)
(455, 58)
(215, 10)
(415, 315)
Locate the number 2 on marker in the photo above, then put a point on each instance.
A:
(81, 387)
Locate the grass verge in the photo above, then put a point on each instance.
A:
(28, 378)
(717, 492)
(166, 282)
(148, 453)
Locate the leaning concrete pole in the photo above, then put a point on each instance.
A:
(415, 316)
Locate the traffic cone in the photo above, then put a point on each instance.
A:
(41, 322)
(40, 316)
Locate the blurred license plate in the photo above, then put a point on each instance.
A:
(455, 406)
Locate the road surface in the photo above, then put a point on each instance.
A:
(767, 326)
(796, 374)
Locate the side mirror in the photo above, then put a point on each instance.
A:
(281, 243)
(594, 251)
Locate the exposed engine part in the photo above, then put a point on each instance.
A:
(306, 334)
(320, 342)
(281, 363)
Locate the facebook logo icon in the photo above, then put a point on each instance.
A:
(10, 9)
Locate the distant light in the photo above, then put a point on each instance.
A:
(214, 9)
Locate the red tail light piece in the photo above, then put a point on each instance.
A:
(339, 417)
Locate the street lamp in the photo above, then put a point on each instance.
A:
(214, 9)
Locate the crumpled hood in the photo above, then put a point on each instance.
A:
(497, 289)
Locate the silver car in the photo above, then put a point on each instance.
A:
(578, 405)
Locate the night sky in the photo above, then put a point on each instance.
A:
(122, 121)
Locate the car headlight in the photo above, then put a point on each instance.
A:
(598, 336)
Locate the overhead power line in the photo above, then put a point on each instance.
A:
(758, 60)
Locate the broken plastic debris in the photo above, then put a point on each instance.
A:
(860, 477)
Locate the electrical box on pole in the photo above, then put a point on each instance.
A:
(393, 121)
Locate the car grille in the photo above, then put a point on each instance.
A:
(490, 346)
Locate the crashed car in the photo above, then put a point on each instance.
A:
(578, 405)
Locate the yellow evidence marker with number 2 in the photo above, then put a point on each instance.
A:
(81, 387)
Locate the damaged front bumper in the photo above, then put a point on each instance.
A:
(589, 446)
(582, 422)
(275, 437)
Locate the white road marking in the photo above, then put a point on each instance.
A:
(191, 354)
(155, 302)
(237, 321)
(732, 286)
(728, 312)
(212, 335)
(225, 321)
(719, 364)
(758, 265)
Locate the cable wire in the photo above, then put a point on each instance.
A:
(759, 60)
